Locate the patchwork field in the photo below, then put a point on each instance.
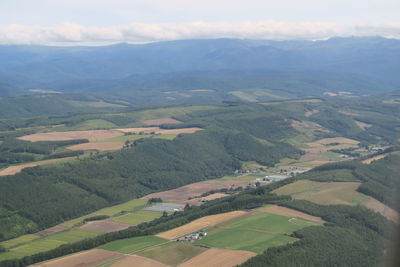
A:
(93, 135)
(183, 193)
(200, 224)
(82, 259)
(325, 193)
(215, 257)
(134, 244)
(255, 233)
(172, 253)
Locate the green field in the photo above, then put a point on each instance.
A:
(172, 253)
(132, 205)
(131, 245)
(255, 233)
(324, 192)
(137, 217)
(31, 244)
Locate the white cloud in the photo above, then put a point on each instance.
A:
(70, 33)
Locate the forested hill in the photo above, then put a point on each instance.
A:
(297, 68)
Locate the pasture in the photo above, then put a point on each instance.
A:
(130, 245)
(172, 253)
(93, 135)
(161, 121)
(98, 146)
(326, 193)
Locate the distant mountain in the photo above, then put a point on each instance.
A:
(360, 65)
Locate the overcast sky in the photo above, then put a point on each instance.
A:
(105, 21)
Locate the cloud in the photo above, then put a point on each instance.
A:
(70, 33)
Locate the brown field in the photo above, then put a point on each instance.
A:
(199, 224)
(308, 128)
(137, 261)
(157, 130)
(18, 168)
(181, 194)
(93, 135)
(82, 259)
(290, 212)
(105, 226)
(386, 211)
(214, 196)
(162, 121)
(311, 112)
(370, 160)
(98, 146)
(215, 257)
(342, 140)
(52, 230)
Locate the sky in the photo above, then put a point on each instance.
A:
(74, 22)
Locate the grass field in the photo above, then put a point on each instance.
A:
(137, 217)
(324, 192)
(30, 244)
(131, 245)
(172, 253)
(133, 205)
(255, 233)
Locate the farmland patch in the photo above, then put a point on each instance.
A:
(215, 257)
(93, 135)
(130, 245)
(161, 121)
(105, 226)
(137, 261)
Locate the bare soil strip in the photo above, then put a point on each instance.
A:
(82, 259)
(52, 230)
(106, 146)
(157, 130)
(162, 121)
(386, 211)
(199, 224)
(105, 226)
(93, 135)
(370, 160)
(215, 257)
(18, 168)
(290, 212)
(137, 261)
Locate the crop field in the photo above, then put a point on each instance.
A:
(278, 210)
(255, 233)
(325, 193)
(93, 135)
(131, 245)
(18, 168)
(200, 224)
(27, 245)
(172, 253)
(105, 226)
(52, 230)
(137, 217)
(18, 241)
(383, 209)
(182, 194)
(132, 205)
(215, 257)
(136, 260)
(370, 160)
(82, 259)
